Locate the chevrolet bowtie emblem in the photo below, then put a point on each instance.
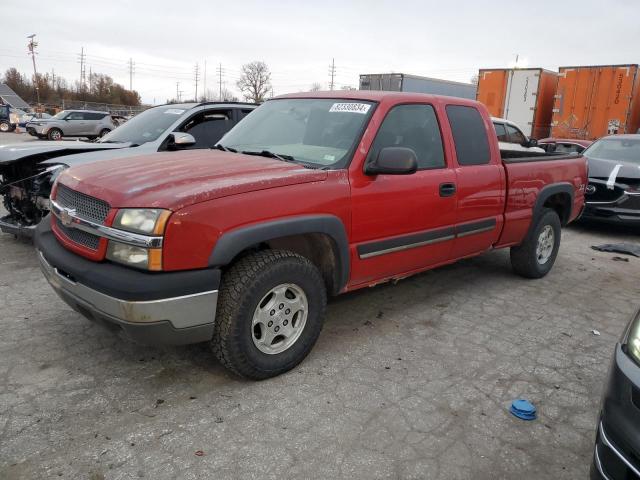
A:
(66, 216)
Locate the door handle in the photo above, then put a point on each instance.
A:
(447, 189)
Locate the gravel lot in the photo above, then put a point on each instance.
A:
(407, 381)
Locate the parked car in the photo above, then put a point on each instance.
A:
(511, 138)
(26, 169)
(613, 193)
(72, 123)
(5, 119)
(563, 145)
(313, 194)
(32, 117)
(617, 449)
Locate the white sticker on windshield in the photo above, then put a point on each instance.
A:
(174, 111)
(361, 108)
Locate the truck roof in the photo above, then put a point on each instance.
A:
(377, 96)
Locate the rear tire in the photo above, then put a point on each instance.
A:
(270, 313)
(103, 132)
(535, 257)
(5, 127)
(54, 134)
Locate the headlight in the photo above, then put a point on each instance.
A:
(138, 257)
(633, 339)
(141, 220)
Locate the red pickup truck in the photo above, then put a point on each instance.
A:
(311, 195)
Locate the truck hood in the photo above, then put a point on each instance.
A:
(174, 180)
(45, 150)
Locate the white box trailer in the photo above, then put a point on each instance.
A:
(523, 96)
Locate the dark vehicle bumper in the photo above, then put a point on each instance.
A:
(617, 449)
(9, 225)
(170, 308)
(611, 213)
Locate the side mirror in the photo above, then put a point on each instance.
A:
(178, 140)
(393, 161)
(532, 142)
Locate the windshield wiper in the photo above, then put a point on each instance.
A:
(219, 146)
(268, 154)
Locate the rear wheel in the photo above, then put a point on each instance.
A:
(5, 126)
(270, 313)
(103, 132)
(54, 134)
(535, 257)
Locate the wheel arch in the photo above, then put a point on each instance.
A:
(558, 197)
(320, 238)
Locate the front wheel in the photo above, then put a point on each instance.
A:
(270, 312)
(103, 132)
(535, 257)
(54, 134)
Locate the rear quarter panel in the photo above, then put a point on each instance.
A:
(525, 181)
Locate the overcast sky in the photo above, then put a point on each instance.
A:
(298, 39)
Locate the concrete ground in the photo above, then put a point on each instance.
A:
(407, 381)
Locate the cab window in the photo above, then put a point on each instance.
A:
(501, 132)
(208, 127)
(415, 127)
(515, 135)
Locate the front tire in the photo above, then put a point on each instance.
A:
(54, 134)
(535, 257)
(103, 132)
(270, 313)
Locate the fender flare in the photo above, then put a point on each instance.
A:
(547, 192)
(235, 241)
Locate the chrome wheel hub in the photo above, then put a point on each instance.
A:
(544, 248)
(279, 318)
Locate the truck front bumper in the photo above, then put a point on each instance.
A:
(171, 308)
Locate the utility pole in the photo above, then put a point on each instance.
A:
(177, 91)
(32, 51)
(82, 58)
(204, 82)
(53, 78)
(332, 73)
(196, 73)
(131, 70)
(220, 72)
(90, 77)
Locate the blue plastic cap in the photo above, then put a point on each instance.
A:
(523, 409)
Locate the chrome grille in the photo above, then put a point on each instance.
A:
(80, 237)
(87, 207)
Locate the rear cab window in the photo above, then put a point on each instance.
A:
(469, 135)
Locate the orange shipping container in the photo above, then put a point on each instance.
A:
(521, 95)
(595, 101)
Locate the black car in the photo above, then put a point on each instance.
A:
(27, 169)
(617, 450)
(613, 193)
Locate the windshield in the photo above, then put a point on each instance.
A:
(320, 132)
(61, 115)
(146, 126)
(622, 149)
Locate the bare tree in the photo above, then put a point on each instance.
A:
(315, 87)
(474, 79)
(255, 81)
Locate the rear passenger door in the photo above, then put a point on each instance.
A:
(480, 182)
